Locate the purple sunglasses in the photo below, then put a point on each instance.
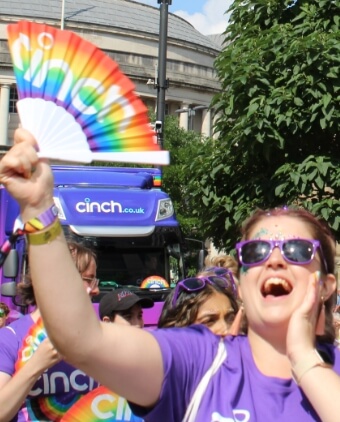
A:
(294, 251)
(225, 273)
(195, 284)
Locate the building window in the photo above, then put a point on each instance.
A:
(166, 109)
(13, 98)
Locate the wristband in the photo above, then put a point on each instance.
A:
(312, 360)
(46, 236)
(43, 220)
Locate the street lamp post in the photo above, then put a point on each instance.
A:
(191, 113)
(162, 83)
(62, 21)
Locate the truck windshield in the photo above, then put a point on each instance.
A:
(141, 263)
(130, 266)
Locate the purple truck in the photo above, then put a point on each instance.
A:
(120, 212)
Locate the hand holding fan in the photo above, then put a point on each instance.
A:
(75, 100)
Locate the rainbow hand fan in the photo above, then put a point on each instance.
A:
(75, 100)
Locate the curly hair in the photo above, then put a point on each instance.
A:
(224, 261)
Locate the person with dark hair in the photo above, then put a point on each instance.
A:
(4, 312)
(30, 366)
(286, 367)
(123, 306)
(206, 299)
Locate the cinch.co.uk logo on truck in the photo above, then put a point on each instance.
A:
(106, 206)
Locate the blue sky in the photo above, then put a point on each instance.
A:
(207, 16)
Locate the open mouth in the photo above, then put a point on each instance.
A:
(276, 287)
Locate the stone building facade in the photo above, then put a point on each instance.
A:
(129, 33)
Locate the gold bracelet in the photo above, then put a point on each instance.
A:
(310, 361)
(45, 236)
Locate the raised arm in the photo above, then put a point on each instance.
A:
(120, 357)
(321, 385)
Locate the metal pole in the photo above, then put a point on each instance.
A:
(162, 82)
(62, 14)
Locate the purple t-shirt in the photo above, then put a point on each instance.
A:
(56, 390)
(237, 392)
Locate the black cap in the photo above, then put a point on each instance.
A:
(121, 300)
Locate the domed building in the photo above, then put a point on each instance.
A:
(129, 33)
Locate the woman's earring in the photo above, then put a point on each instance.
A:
(321, 322)
(236, 325)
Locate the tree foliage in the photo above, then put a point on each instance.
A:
(182, 145)
(278, 116)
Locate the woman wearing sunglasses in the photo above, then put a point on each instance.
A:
(207, 299)
(285, 369)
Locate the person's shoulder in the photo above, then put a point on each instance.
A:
(192, 336)
(196, 330)
(19, 326)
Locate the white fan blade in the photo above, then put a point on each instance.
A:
(139, 157)
(56, 131)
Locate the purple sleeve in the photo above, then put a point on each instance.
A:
(9, 347)
(187, 355)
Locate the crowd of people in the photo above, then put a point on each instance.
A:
(251, 342)
(26, 353)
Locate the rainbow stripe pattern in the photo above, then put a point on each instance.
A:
(50, 407)
(35, 336)
(100, 404)
(59, 66)
(154, 282)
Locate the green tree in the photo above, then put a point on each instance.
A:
(182, 145)
(177, 178)
(278, 116)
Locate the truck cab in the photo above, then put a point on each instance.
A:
(122, 214)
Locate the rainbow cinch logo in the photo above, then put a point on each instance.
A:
(154, 282)
(100, 404)
(35, 336)
(42, 402)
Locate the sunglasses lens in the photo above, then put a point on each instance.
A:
(255, 251)
(298, 250)
(193, 283)
(219, 281)
(216, 270)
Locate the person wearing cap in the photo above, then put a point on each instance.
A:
(123, 306)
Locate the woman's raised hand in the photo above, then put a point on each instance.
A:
(26, 177)
(301, 330)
